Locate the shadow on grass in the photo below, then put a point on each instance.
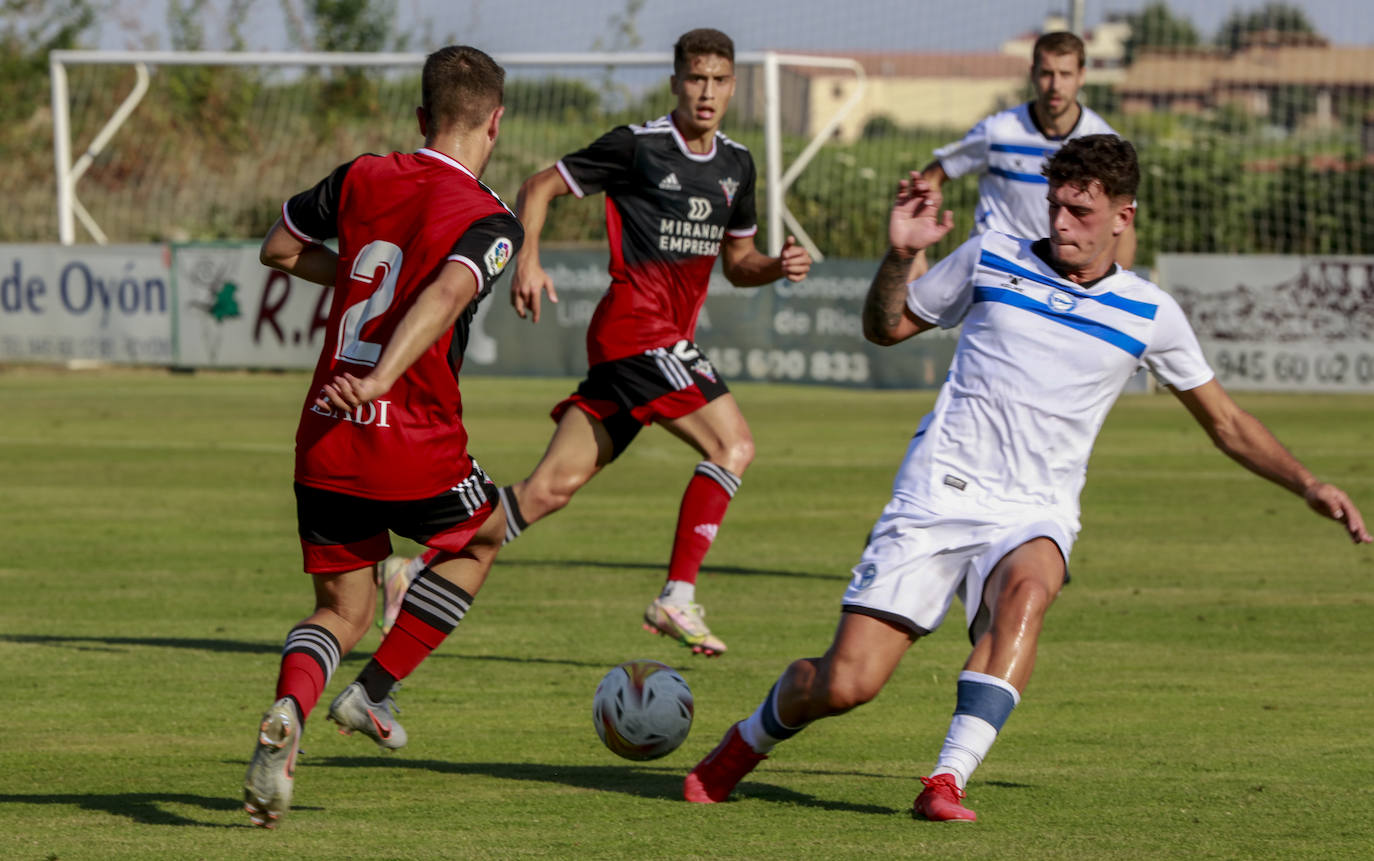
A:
(658, 566)
(145, 808)
(109, 644)
(637, 780)
(114, 644)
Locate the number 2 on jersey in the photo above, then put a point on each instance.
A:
(378, 262)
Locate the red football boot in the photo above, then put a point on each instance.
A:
(716, 775)
(940, 801)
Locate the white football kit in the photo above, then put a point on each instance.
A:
(1008, 150)
(1003, 456)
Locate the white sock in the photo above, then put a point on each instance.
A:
(751, 730)
(968, 741)
(678, 593)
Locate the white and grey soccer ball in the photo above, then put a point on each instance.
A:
(642, 710)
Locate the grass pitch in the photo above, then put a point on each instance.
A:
(1203, 687)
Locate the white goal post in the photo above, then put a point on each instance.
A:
(777, 176)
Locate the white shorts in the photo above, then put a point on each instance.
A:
(915, 563)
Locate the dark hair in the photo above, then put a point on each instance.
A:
(701, 41)
(1106, 159)
(460, 87)
(1057, 43)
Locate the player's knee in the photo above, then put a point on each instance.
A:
(845, 685)
(737, 454)
(1026, 599)
(848, 691)
(546, 497)
(357, 620)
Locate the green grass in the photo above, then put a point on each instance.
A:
(1203, 686)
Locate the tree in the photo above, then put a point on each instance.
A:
(1282, 18)
(353, 25)
(30, 30)
(1156, 26)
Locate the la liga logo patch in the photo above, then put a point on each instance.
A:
(497, 256)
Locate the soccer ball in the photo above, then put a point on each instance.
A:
(642, 710)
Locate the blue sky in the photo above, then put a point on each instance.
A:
(507, 26)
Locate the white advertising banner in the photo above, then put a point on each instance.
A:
(233, 312)
(110, 303)
(1280, 323)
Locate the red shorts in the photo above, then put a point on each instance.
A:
(627, 394)
(340, 532)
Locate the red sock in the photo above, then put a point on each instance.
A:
(703, 506)
(432, 608)
(310, 657)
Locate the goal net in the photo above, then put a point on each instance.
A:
(1256, 135)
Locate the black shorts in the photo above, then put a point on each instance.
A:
(341, 532)
(627, 394)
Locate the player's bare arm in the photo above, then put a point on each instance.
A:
(745, 266)
(532, 208)
(282, 250)
(435, 311)
(914, 224)
(934, 173)
(1247, 441)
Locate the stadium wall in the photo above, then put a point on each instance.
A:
(1266, 322)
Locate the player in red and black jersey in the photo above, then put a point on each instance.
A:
(678, 194)
(381, 445)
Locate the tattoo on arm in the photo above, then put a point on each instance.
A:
(885, 303)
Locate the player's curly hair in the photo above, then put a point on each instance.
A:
(460, 87)
(704, 40)
(1106, 159)
(1059, 43)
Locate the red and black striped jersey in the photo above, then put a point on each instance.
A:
(399, 219)
(667, 211)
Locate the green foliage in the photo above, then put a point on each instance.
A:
(352, 25)
(1322, 211)
(29, 31)
(567, 99)
(1156, 26)
(880, 126)
(1240, 24)
(1102, 98)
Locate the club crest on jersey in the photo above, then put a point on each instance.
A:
(702, 368)
(1061, 301)
(729, 185)
(497, 256)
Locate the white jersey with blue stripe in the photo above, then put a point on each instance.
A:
(1039, 363)
(1008, 150)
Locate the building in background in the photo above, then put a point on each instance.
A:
(1290, 85)
(931, 90)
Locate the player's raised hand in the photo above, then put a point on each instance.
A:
(916, 222)
(1330, 501)
(795, 260)
(526, 291)
(347, 392)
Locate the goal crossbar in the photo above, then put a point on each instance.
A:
(778, 176)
